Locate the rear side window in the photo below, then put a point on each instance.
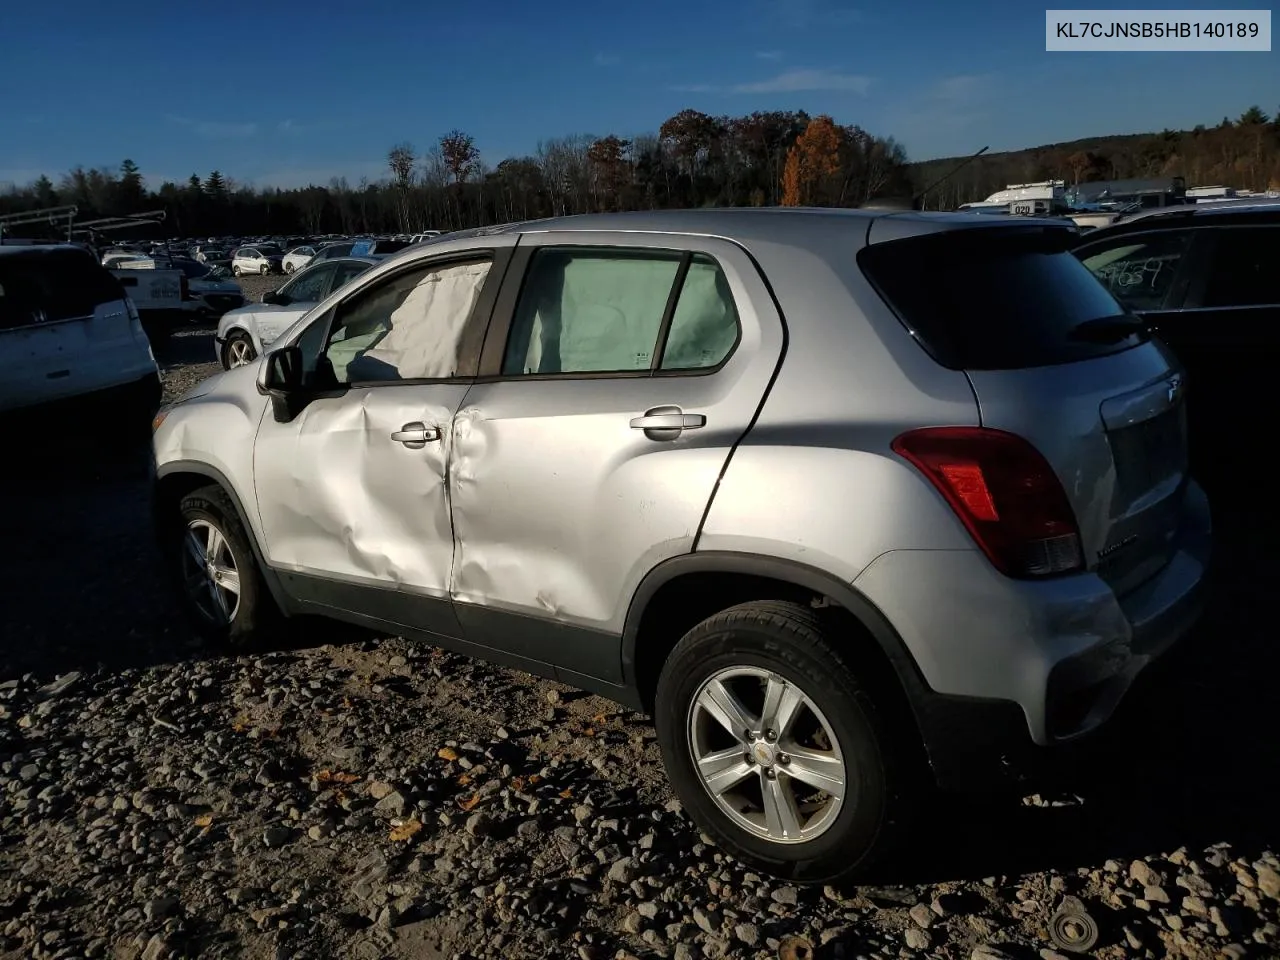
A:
(1245, 269)
(1139, 270)
(995, 299)
(51, 285)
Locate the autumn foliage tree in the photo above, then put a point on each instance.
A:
(813, 158)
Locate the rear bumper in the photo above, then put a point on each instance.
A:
(1012, 667)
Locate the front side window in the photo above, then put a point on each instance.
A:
(308, 287)
(1138, 270)
(408, 327)
(1243, 270)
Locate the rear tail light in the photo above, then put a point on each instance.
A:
(1005, 493)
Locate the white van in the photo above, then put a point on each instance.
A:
(67, 329)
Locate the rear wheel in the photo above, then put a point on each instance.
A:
(775, 747)
(238, 350)
(266, 268)
(221, 587)
(235, 269)
(288, 268)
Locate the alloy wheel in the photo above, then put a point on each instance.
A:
(766, 755)
(210, 573)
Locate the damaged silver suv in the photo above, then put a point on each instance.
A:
(848, 501)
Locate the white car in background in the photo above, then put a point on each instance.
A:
(252, 260)
(297, 258)
(243, 335)
(67, 330)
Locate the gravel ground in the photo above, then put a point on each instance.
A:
(345, 795)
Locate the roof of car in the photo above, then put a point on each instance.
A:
(774, 224)
(1244, 209)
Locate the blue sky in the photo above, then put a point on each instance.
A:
(284, 93)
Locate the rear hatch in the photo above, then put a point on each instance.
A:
(65, 328)
(1055, 359)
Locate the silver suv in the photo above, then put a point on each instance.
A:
(847, 501)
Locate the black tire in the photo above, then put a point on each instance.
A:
(881, 763)
(255, 610)
(237, 338)
(288, 268)
(266, 269)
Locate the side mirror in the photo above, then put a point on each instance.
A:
(281, 372)
(274, 296)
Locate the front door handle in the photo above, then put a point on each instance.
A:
(667, 422)
(416, 435)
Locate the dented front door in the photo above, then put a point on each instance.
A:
(354, 503)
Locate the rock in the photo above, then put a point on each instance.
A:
(709, 921)
(633, 922)
(747, 933)
(392, 804)
(1268, 881)
(583, 812)
(1195, 884)
(1144, 875)
(276, 836)
(479, 825)
(159, 908)
(379, 789)
(648, 910)
(989, 951)
(787, 896)
(1194, 906)
(1155, 895)
(623, 871)
(923, 915)
(1047, 954)
(157, 948)
(916, 938)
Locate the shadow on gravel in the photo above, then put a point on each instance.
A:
(1191, 759)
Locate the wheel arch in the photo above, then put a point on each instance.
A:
(177, 479)
(683, 591)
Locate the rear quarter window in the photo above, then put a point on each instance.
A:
(993, 299)
(53, 284)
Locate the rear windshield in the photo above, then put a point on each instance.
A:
(51, 285)
(993, 299)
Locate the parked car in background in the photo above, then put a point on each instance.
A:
(834, 528)
(211, 290)
(243, 334)
(297, 258)
(67, 330)
(251, 260)
(1206, 281)
(424, 236)
(332, 251)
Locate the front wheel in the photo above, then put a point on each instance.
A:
(776, 748)
(266, 268)
(239, 351)
(288, 268)
(221, 587)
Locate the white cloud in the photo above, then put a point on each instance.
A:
(606, 60)
(215, 129)
(791, 81)
(769, 55)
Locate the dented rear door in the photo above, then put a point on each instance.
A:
(579, 462)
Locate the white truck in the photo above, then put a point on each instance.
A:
(157, 293)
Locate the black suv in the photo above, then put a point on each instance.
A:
(1206, 279)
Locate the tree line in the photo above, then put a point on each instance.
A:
(765, 158)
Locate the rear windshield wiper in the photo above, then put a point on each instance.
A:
(1108, 329)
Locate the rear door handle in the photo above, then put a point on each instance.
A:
(667, 422)
(416, 435)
